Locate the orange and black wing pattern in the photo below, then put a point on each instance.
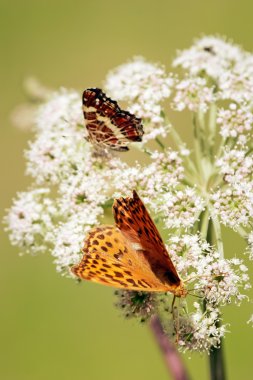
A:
(134, 221)
(130, 255)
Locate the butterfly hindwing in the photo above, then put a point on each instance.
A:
(107, 125)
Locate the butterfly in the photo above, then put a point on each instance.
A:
(130, 255)
(107, 125)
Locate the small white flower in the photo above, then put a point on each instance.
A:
(236, 85)
(194, 94)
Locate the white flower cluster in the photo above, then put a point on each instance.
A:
(233, 206)
(218, 281)
(236, 165)
(31, 220)
(69, 236)
(158, 185)
(190, 192)
(59, 142)
(227, 66)
(201, 330)
(211, 55)
(194, 94)
(164, 173)
(234, 120)
(233, 203)
(181, 208)
(61, 158)
(144, 86)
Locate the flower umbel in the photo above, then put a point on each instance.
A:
(190, 191)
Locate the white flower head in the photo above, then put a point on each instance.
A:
(69, 237)
(62, 112)
(235, 165)
(233, 205)
(193, 93)
(234, 120)
(211, 55)
(189, 191)
(30, 220)
(144, 86)
(181, 209)
(200, 331)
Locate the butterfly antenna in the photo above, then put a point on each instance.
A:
(194, 295)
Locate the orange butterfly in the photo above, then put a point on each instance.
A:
(130, 255)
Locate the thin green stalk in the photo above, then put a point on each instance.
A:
(218, 237)
(212, 129)
(197, 147)
(160, 143)
(202, 133)
(204, 222)
(142, 149)
(180, 144)
(216, 355)
(244, 234)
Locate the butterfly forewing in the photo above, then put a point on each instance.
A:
(134, 221)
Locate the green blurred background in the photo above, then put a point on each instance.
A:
(50, 328)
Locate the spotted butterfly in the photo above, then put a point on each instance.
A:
(130, 255)
(107, 125)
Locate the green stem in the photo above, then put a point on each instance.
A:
(180, 144)
(218, 237)
(204, 222)
(142, 149)
(217, 367)
(160, 143)
(216, 355)
(212, 128)
(197, 147)
(244, 234)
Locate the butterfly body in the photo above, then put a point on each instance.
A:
(130, 255)
(107, 125)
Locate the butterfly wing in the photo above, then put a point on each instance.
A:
(107, 124)
(135, 223)
(110, 259)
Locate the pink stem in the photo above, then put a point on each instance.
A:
(171, 356)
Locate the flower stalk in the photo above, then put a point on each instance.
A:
(217, 365)
(216, 354)
(173, 361)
